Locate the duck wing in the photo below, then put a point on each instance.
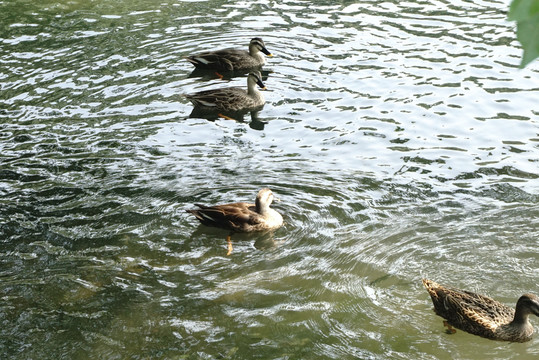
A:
(236, 216)
(219, 98)
(225, 59)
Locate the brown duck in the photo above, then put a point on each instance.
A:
(231, 98)
(232, 59)
(241, 216)
(483, 316)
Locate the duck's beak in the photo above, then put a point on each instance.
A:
(261, 85)
(265, 51)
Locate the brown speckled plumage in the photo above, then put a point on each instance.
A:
(483, 316)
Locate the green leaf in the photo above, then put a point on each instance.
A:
(526, 14)
(521, 10)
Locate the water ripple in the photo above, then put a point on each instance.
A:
(400, 138)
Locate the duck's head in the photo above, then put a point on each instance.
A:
(263, 200)
(255, 78)
(529, 303)
(257, 45)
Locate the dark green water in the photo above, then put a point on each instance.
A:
(400, 137)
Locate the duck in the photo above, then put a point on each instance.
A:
(241, 216)
(231, 99)
(232, 59)
(483, 316)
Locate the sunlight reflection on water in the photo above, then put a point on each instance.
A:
(402, 140)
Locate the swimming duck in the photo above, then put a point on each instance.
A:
(483, 316)
(232, 59)
(232, 98)
(241, 216)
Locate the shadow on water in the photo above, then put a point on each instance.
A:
(206, 74)
(255, 123)
(217, 238)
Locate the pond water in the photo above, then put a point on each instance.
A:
(400, 137)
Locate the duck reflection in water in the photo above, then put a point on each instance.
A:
(206, 75)
(254, 123)
(241, 217)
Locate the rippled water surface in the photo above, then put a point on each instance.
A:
(400, 137)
